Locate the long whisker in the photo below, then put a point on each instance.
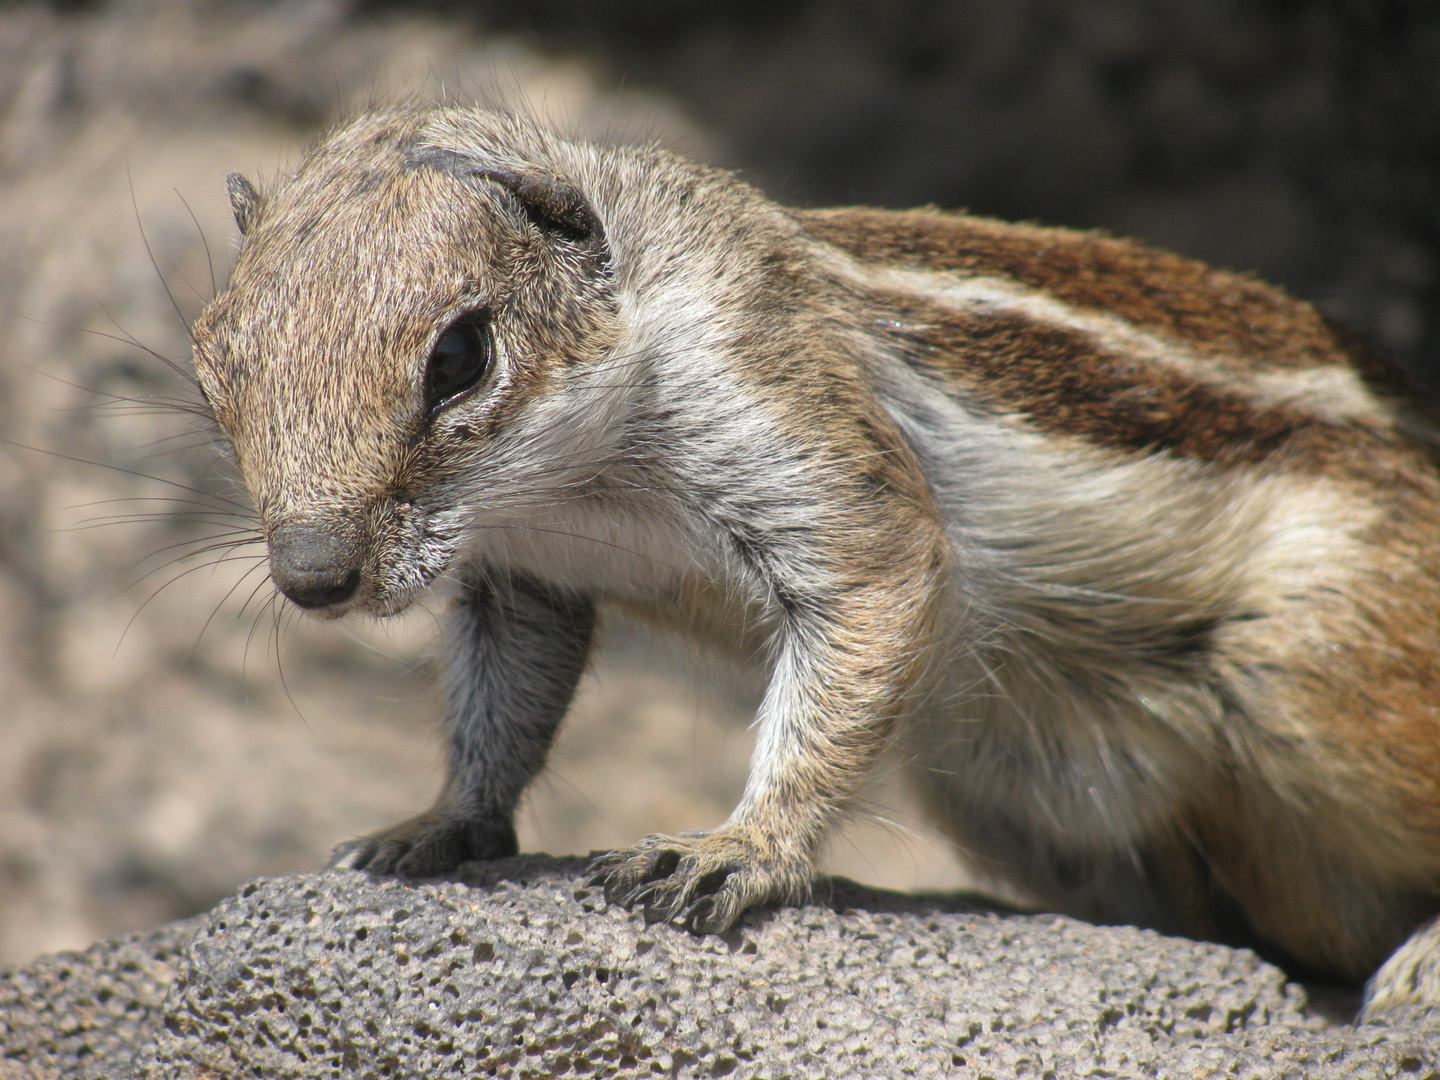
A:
(260, 612)
(221, 603)
(236, 540)
(157, 592)
(169, 500)
(205, 243)
(232, 555)
(253, 592)
(140, 224)
(207, 517)
(240, 507)
(151, 405)
(278, 629)
(126, 338)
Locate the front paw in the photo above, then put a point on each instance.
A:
(704, 882)
(433, 843)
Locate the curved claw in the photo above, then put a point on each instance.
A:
(433, 843)
(696, 917)
(702, 882)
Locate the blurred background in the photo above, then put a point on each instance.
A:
(166, 731)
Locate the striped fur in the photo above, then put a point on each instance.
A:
(1135, 561)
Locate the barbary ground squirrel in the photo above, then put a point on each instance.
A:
(1136, 561)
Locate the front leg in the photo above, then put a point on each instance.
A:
(854, 631)
(515, 649)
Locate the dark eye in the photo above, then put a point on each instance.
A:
(460, 360)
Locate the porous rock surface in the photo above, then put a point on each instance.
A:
(516, 968)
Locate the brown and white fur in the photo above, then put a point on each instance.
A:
(1137, 561)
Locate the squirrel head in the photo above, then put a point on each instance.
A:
(398, 343)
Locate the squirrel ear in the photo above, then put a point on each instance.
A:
(551, 202)
(244, 201)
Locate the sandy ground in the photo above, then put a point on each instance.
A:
(168, 729)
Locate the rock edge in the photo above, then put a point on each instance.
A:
(515, 968)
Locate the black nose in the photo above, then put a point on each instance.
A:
(313, 565)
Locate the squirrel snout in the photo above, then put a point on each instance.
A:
(313, 565)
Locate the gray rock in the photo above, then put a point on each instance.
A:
(517, 969)
(86, 1014)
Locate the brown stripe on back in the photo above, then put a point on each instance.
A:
(1218, 311)
(1063, 381)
